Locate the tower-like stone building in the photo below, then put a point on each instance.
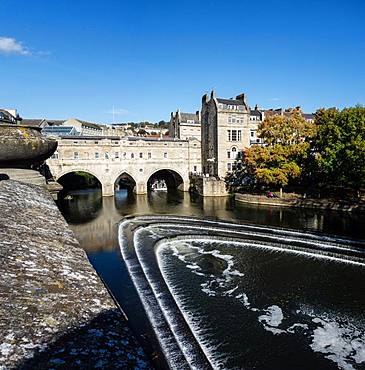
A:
(226, 129)
(185, 125)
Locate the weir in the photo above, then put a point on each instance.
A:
(219, 292)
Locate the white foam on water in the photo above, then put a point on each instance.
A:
(342, 344)
(315, 241)
(167, 345)
(216, 358)
(292, 329)
(168, 314)
(272, 318)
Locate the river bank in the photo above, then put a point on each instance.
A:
(299, 202)
(55, 312)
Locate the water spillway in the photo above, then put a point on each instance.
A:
(226, 296)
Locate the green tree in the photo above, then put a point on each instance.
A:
(339, 147)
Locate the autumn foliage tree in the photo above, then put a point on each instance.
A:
(286, 145)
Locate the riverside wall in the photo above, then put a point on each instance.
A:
(325, 204)
(55, 312)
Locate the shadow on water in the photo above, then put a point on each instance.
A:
(94, 220)
(99, 343)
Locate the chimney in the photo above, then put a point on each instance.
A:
(242, 98)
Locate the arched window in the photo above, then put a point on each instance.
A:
(55, 155)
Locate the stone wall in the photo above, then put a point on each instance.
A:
(296, 202)
(208, 186)
(54, 310)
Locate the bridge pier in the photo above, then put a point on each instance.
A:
(141, 188)
(107, 189)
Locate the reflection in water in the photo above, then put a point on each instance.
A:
(94, 218)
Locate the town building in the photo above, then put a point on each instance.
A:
(83, 127)
(185, 125)
(226, 130)
(9, 116)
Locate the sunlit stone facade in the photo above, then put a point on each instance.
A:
(107, 158)
(226, 131)
(185, 125)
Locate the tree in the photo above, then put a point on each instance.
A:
(286, 146)
(339, 147)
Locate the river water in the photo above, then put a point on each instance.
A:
(227, 296)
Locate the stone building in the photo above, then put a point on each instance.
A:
(84, 127)
(226, 131)
(185, 125)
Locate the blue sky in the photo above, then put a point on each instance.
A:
(78, 58)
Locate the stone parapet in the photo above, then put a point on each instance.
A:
(55, 312)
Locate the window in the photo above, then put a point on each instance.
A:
(228, 154)
(195, 168)
(165, 155)
(252, 133)
(96, 155)
(140, 155)
(124, 155)
(132, 155)
(96, 142)
(55, 155)
(106, 155)
(234, 135)
(76, 155)
(229, 166)
(149, 155)
(234, 153)
(116, 154)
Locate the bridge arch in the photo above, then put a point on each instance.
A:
(64, 174)
(172, 178)
(125, 180)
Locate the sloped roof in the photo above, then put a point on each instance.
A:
(230, 101)
(90, 124)
(33, 122)
(255, 112)
(189, 116)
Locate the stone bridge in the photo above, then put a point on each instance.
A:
(134, 161)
